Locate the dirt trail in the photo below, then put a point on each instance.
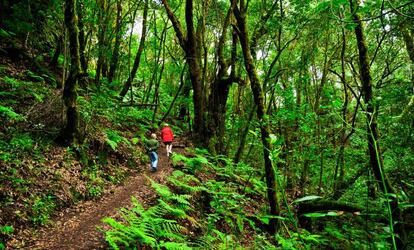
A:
(76, 227)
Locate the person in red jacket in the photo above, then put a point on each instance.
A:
(167, 137)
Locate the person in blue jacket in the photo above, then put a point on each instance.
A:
(152, 146)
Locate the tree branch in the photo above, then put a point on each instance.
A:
(176, 24)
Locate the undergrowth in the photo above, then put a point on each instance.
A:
(37, 178)
(211, 203)
(208, 204)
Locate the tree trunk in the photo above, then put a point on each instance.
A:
(131, 77)
(101, 41)
(239, 152)
(115, 53)
(217, 109)
(175, 98)
(409, 44)
(157, 84)
(304, 177)
(184, 106)
(240, 14)
(82, 40)
(217, 101)
(70, 132)
(58, 50)
(374, 150)
(191, 47)
(340, 165)
(408, 40)
(190, 44)
(321, 156)
(155, 72)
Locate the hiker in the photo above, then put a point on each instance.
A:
(167, 137)
(152, 145)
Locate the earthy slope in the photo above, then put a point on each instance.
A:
(76, 227)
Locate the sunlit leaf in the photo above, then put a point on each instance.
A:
(315, 215)
(308, 198)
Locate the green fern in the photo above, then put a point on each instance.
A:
(162, 190)
(175, 246)
(113, 139)
(162, 226)
(187, 183)
(148, 227)
(10, 114)
(177, 212)
(167, 195)
(191, 164)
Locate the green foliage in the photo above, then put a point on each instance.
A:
(5, 231)
(167, 195)
(145, 227)
(3, 68)
(22, 142)
(34, 76)
(94, 190)
(316, 215)
(305, 94)
(20, 89)
(113, 138)
(230, 205)
(95, 182)
(9, 113)
(230, 210)
(298, 240)
(191, 164)
(41, 209)
(308, 198)
(14, 83)
(6, 34)
(185, 182)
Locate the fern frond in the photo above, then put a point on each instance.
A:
(170, 228)
(162, 190)
(156, 212)
(181, 198)
(181, 180)
(172, 210)
(138, 208)
(119, 235)
(175, 246)
(204, 242)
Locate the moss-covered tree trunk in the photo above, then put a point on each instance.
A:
(191, 49)
(240, 14)
(184, 106)
(70, 132)
(409, 40)
(376, 160)
(156, 99)
(243, 138)
(137, 59)
(58, 50)
(82, 38)
(115, 53)
(217, 101)
(339, 173)
(190, 43)
(408, 36)
(182, 82)
(100, 65)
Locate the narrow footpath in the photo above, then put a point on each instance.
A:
(77, 227)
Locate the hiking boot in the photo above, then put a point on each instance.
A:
(153, 169)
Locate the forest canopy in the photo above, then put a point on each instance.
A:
(297, 117)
